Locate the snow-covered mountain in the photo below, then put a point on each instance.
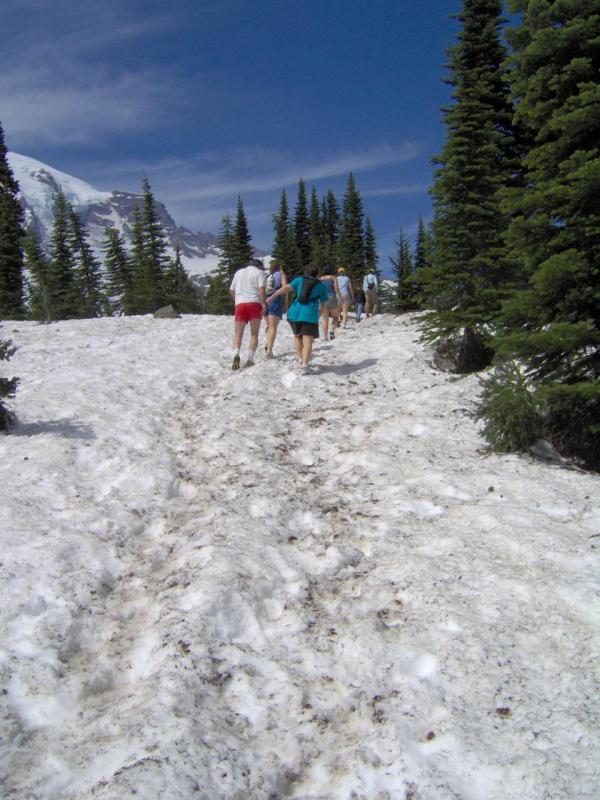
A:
(40, 183)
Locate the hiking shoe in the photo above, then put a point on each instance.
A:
(250, 362)
(270, 354)
(332, 334)
(236, 362)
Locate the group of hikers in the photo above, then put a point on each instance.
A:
(325, 298)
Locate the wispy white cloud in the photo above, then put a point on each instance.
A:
(60, 82)
(219, 176)
(389, 191)
(83, 108)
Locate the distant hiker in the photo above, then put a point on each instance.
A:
(346, 293)
(248, 292)
(360, 299)
(371, 288)
(274, 311)
(334, 301)
(303, 314)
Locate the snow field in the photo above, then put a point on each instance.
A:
(269, 585)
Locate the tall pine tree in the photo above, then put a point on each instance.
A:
(242, 249)
(351, 249)
(11, 244)
(38, 264)
(155, 247)
(468, 278)
(117, 274)
(302, 224)
(218, 299)
(553, 325)
(331, 224)
(88, 271)
(65, 300)
(403, 272)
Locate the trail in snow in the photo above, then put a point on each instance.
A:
(296, 586)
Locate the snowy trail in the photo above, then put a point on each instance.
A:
(311, 587)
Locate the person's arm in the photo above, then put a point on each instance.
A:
(284, 280)
(284, 290)
(351, 289)
(338, 294)
(262, 293)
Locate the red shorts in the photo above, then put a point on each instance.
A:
(246, 312)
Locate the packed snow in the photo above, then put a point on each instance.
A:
(265, 584)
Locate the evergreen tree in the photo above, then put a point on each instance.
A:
(88, 272)
(468, 278)
(403, 272)
(351, 250)
(64, 298)
(179, 289)
(285, 251)
(371, 257)
(155, 248)
(553, 325)
(117, 273)
(11, 236)
(8, 386)
(317, 249)
(421, 247)
(218, 298)
(140, 299)
(330, 223)
(302, 224)
(38, 265)
(242, 250)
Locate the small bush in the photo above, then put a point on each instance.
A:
(8, 386)
(508, 408)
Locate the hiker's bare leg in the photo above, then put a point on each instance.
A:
(272, 323)
(238, 334)
(307, 343)
(325, 320)
(298, 346)
(254, 329)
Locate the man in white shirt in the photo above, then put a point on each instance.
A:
(370, 288)
(248, 292)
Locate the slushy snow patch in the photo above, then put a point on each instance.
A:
(265, 584)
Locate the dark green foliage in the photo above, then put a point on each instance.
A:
(179, 290)
(302, 225)
(405, 298)
(317, 241)
(553, 324)
(512, 417)
(331, 224)
(285, 251)
(242, 250)
(351, 249)
(11, 236)
(8, 386)
(118, 274)
(469, 275)
(218, 298)
(38, 264)
(63, 291)
(371, 257)
(88, 275)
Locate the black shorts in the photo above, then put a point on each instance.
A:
(304, 329)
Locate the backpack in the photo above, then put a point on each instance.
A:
(307, 286)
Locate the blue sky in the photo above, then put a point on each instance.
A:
(215, 98)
